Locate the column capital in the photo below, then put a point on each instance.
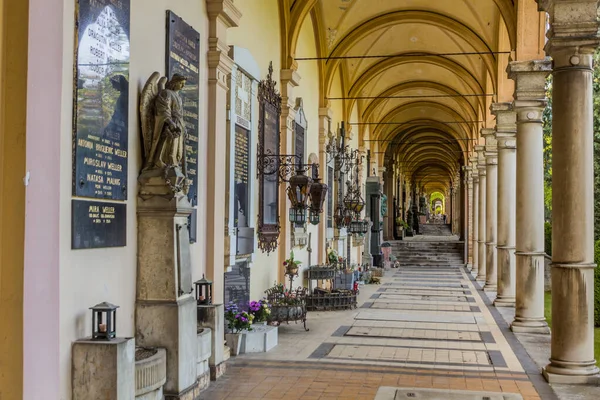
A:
(530, 88)
(289, 76)
(573, 34)
(530, 79)
(506, 119)
(224, 9)
(491, 146)
(325, 112)
(481, 162)
(506, 125)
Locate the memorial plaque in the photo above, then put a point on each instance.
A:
(183, 48)
(97, 224)
(270, 185)
(242, 156)
(330, 197)
(101, 104)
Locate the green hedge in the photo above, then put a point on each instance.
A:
(548, 238)
(597, 284)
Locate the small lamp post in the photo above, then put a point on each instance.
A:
(104, 321)
(203, 291)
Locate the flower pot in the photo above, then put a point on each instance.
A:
(259, 323)
(291, 271)
(234, 341)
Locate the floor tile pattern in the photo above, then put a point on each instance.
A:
(424, 326)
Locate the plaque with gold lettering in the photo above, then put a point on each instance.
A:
(101, 105)
(97, 224)
(183, 57)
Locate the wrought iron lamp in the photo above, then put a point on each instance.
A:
(318, 194)
(299, 192)
(359, 226)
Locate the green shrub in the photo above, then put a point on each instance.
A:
(597, 284)
(548, 238)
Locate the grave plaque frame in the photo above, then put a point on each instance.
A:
(98, 224)
(183, 57)
(101, 99)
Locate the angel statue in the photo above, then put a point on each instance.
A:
(163, 127)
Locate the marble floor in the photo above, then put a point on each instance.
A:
(423, 327)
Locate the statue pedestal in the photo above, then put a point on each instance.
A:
(165, 307)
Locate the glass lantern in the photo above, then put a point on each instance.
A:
(104, 321)
(203, 291)
(318, 194)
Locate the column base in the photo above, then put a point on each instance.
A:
(490, 287)
(504, 301)
(539, 326)
(191, 393)
(217, 371)
(564, 372)
(469, 267)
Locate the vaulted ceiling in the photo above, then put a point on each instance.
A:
(421, 73)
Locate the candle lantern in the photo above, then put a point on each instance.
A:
(203, 291)
(104, 321)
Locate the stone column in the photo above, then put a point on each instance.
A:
(469, 216)
(491, 210)
(222, 15)
(481, 166)
(573, 39)
(506, 130)
(530, 101)
(475, 216)
(325, 115)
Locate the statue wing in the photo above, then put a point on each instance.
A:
(162, 84)
(149, 93)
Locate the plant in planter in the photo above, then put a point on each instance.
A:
(332, 257)
(291, 266)
(237, 322)
(260, 310)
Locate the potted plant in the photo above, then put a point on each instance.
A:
(237, 322)
(332, 257)
(260, 310)
(291, 266)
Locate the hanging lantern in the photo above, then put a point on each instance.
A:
(299, 189)
(318, 194)
(298, 215)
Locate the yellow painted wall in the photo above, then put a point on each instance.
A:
(309, 92)
(14, 15)
(92, 276)
(259, 32)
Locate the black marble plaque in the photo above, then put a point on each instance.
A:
(270, 184)
(101, 103)
(183, 57)
(97, 224)
(242, 193)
